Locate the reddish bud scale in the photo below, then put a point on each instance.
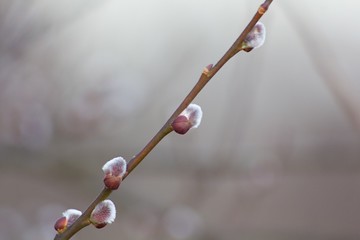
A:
(112, 182)
(61, 224)
(68, 218)
(248, 49)
(100, 225)
(181, 124)
(189, 118)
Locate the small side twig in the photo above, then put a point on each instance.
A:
(205, 77)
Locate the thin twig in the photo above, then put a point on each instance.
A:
(205, 77)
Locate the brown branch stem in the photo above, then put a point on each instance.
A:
(205, 77)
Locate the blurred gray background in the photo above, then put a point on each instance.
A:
(277, 155)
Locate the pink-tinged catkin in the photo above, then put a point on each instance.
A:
(103, 214)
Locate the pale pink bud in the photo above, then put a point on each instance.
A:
(68, 218)
(207, 69)
(104, 213)
(255, 38)
(189, 118)
(114, 171)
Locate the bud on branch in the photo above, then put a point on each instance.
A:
(114, 171)
(189, 118)
(255, 38)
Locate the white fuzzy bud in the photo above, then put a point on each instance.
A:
(255, 38)
(71, 215)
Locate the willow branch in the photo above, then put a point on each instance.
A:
(205, 77)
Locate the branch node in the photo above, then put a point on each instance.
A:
(262, 10)
(264, 7)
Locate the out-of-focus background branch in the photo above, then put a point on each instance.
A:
(277, 155)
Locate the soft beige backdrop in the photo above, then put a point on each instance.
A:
(277, 155)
